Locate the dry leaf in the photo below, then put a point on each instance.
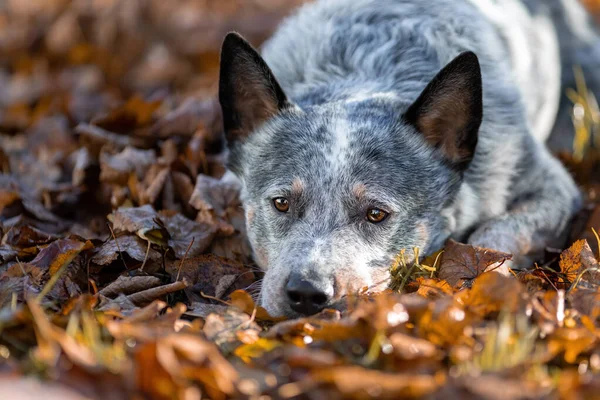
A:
(461, 263)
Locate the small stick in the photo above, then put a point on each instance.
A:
(184, 257)
(206, 296)
(148, 295)
(118, 247)
(146, 256)
(598, 240)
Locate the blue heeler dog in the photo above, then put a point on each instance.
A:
(371, 126)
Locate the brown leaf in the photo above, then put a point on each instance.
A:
(24, 236)
(492, 387)
(586, 301)
(572, 342)
(358, 382)
(203, 310)
(226, 329)
(186, 118)
(130, 245)
(235, 247)
(143, 221)
(184, 356)
(218, 203)
(129, 284)
(135, 113)
(149, 295)
(94, 137)
(185, 233)
(59, 253)
(577, 259)
(492, 292)
(461, 263)
(7, 198)
(205, 273)
(30, 388)
(116, 168)
(407, 347)
(433, 288)
(244, 302)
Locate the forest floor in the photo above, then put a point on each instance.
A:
(124, 270)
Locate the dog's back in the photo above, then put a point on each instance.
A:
(340, 49)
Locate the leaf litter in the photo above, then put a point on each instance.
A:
(124, 270)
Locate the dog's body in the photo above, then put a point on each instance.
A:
(353, 132)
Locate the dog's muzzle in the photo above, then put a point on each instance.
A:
(306, 296)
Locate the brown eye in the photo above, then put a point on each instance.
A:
(281, 204)
(375, 215)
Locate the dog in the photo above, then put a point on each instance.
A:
(370, 126)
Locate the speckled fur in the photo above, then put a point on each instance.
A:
(351, 68)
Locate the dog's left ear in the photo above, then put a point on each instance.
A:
(449, 110)
(248, 92)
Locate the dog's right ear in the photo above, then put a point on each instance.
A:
(449, 111)
(248, 92)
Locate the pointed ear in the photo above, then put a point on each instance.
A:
(448, 112)
(248, 92)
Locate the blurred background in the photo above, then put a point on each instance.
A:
(82, 56)
(110, 103)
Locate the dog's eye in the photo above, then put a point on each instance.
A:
(376, 215)
(281, 204)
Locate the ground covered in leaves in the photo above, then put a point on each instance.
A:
(123, 267)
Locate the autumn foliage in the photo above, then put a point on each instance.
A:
(124, 270)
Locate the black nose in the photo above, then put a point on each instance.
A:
(304, 297)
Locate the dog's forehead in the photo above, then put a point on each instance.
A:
(343, 144)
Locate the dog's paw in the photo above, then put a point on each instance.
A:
(497, 237)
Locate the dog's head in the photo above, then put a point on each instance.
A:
(333, 192)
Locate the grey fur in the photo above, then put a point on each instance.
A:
(352, 67)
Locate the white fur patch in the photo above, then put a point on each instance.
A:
(362, 96)
(341, 144)
(534, 49)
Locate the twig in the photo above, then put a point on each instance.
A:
(576, 282)
(206, 296)
(118, 247)
(184, 257)
(146, 256)
(52, 281)
(597, 240)
(148, 295)
(252, 317)
(93, 286)
(21, 266)
(560, 308)
(546, 276)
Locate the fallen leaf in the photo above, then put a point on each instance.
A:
(59, 253)
(187, 236)
(245, 303)
(130, 245)
(461, 263)
(206, 274)
(129, 284)
(218, 203)
(143, 221)
(149, 295)
(358, 382)
(116, 168)
(580, 260)
(492, 292)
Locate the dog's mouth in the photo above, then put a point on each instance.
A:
(303, 298)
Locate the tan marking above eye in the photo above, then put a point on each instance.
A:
(281, 204)
(376, 215)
